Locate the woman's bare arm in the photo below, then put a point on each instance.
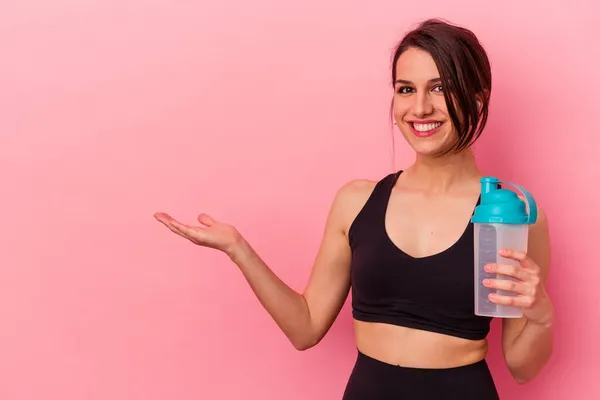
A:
(303, 317)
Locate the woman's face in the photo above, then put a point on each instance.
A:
(420, 110)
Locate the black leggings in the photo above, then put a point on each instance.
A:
(372, 379)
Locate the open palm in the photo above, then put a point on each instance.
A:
(211, 233)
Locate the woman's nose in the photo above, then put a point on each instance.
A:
(422, 105)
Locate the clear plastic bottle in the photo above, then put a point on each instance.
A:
(501, 221)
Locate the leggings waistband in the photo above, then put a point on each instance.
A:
(375, 363)
(374, 379)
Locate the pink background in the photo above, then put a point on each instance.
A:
(255, 112)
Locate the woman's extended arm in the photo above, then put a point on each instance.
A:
(303, 317)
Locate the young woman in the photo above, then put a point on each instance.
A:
(404, 245)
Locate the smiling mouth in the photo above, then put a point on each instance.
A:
(424, 128)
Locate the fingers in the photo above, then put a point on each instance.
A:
(168, 221)
(186, 230)
(172, 227)
(509, 270)
(161, 216)
(515, 301)
(521, 257)
(206, 220)
(183, 230)
(526, 290)
(509, 285)
(524, 281)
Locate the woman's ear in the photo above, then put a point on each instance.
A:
(480, 98)
(479, 101)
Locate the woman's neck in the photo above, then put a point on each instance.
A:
(441, 174)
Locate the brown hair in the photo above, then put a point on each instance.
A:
(464, 70)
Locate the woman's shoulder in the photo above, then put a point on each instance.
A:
(359, 190)
(351, 197)
(358, 187)
(353, 194)
(361, 187)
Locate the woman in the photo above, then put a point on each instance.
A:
(404, 244)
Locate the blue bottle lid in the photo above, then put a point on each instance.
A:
(503, 206)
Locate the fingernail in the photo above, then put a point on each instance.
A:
(488, 268)
(486, 282)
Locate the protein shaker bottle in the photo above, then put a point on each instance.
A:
(501, 221)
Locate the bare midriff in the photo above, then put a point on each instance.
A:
(408, 347)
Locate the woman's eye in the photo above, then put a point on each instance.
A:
(404, 90)
(438, 88)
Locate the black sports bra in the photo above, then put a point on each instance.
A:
(434, 293)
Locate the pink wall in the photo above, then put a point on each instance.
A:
(255, 112)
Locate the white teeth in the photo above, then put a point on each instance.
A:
(426, 127)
